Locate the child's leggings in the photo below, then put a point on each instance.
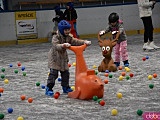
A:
(120, 50)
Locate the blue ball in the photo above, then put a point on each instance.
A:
(107, 71)
(0, 95)
(147, 57)
(10, 65)
(43, 86)
(23, 68)
(59, 79)
(10, 110)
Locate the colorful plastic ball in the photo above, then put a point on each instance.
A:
(144, 58)
(56, 96)
(127, 70)
(59, 79)
(3, 69)
(73, 88)
(106, 71)
(24, 73)
(20, 118)
(149, 77)
(123, 73)
(95, 98)
(127, 77)
(151, 86)
(10, 65)
(19, 64)
(96, 72)
(94, 66)
(16, 71)
(74, 64)
(10, 110)
(120, 77)
(139, 112)
(30, 100)
(114, 112)
(0, 95)
(147, 57)
(6, 81)
(131, 74)
(102, 102)
(110, 75)
(57, 93)
(126, 65)
(99, 100)
(37, 83)
(2, 76)
(106, 81)
(119, 95)
(23, 97)
(69, 65)
(120, 67)
(106, 74)
(154, 75)
(1, 90)
(43, 86)
(23, 68)
(1, 115)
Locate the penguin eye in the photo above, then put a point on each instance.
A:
(103, 48)
(107, 48)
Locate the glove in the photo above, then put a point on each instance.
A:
(87, 42)
(66, 45)
(102, 32)
(114, 32)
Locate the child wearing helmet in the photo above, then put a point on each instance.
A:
(118, 33)
(58, 57)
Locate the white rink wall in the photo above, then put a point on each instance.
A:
(90, 20)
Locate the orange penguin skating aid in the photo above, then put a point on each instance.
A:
(87, 84)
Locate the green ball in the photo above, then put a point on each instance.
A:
(24, 73)
(127, 77)
(15, 71)
(151, 86)
(37, 83)
(2, 76)
(95, 98)
(99, 100)
(110, 75)
(1, 115)
(139, 112)
(3, 69)
(96, 72)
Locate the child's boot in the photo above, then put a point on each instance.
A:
(66, 89)
(117, 64)
(126, 63)
(49, 92)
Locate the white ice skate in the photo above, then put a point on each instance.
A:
(147, 46)
(153, 45)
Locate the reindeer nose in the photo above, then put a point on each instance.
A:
(105, 52)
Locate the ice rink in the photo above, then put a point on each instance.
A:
(136, 91)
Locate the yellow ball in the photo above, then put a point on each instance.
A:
(48, 74)
(150, 77)
(128, 70)
(20, 118)
(74, 64)
(6, 81)
(73, 88)
(94, 66)
(120, 77)
(119, 95)
(114, 112)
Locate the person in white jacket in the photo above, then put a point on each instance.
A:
(145, 13)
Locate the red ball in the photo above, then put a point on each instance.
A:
(23, 97)
(56, 96)
(154, 75)
(131, 75)
(144, 58)
(19, 64)
(30, 100)
(57, 93)
(102, 102)
(106, 81)
(69, 65)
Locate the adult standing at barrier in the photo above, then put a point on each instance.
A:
(70, 15)
(145, 13)
(58, 17)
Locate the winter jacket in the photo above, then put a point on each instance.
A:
(70, 14)
(58, 56)
(118, 27)
(59, 16)
(145, 8)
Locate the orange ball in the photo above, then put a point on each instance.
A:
(69, 65)
(1, 90)
(154, 75)
(106, 81)
(30, 100)
(23, 97)
(56, 96)
(123, 73)
(120, 67)
(106, 74)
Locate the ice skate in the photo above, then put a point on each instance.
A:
(153, 45)
(147, 46)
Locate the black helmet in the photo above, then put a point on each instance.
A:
(113, 17)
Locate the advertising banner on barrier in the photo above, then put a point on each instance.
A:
(26, 25)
